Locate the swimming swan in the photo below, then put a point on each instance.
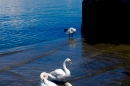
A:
(59, 74)
(45, 81)
(67, 84)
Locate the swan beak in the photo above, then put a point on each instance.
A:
(70, 62)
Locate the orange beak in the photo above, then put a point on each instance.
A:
(70, 62)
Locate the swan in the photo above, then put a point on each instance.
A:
(67, 84)
(70, 31)
(59, 74)
(45, 81)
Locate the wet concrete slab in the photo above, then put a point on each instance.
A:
(92, 65)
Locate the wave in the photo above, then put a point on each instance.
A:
(19, 56)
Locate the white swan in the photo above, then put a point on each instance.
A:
(59, 74)
(45, 81)
(67, 84)
(70, 31)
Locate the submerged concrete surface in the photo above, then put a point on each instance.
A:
(106, 21)
(92, 65)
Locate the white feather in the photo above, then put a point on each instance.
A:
(70, 31)
(59, 74)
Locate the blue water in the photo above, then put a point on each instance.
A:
(29, 22)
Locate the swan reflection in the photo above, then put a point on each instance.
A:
(72, 43)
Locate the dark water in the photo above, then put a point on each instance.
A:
(32, 41)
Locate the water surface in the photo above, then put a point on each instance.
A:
(32, 41)
(30, 22)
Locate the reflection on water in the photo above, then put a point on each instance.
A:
(72, 43)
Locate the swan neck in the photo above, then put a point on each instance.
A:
(64, 66)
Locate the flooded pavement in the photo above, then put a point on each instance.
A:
(92, 65)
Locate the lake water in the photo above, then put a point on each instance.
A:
(32, 41)
(28, 22)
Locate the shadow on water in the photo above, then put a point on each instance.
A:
(127, 73)
(58, 82)
(108, 40)
(97, 27)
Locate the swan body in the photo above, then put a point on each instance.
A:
(45, 81)
(70, 31)
(59, 74)
(67, 84)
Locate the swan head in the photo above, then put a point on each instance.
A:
(67, 84)
(69, 60)
(72, 29)
(44, 76)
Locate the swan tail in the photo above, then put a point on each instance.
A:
(65, 30)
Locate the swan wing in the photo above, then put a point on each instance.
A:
(48, 83)
(57, 72)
